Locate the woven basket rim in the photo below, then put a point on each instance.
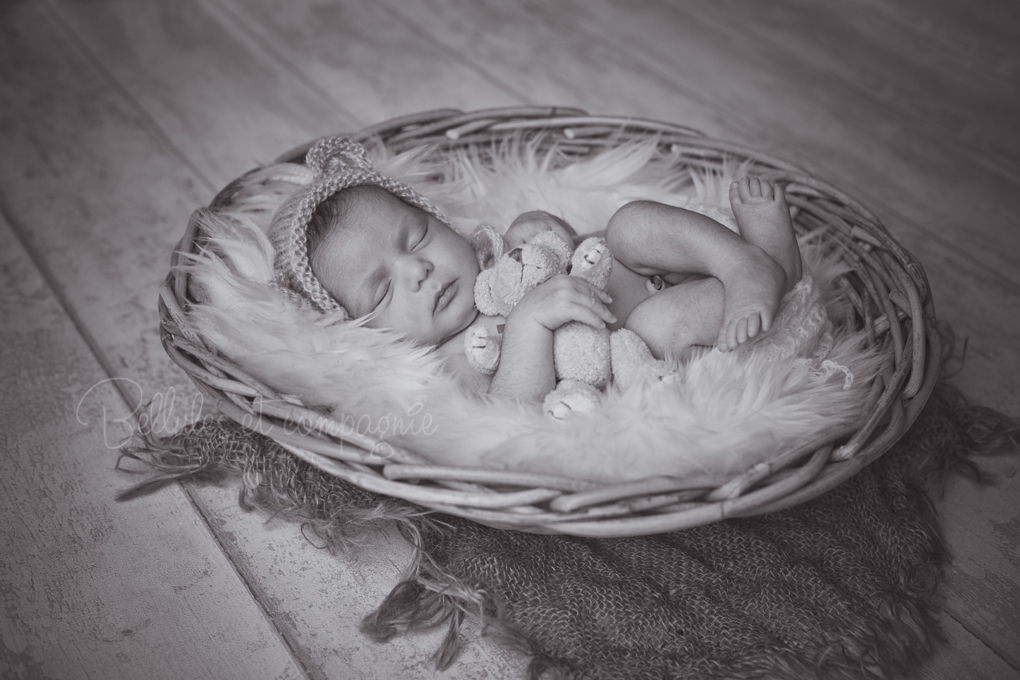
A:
(892, 300)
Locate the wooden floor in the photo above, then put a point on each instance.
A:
(118, 117)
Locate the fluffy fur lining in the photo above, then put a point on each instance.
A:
(725, 414)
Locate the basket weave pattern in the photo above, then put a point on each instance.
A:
(887, 286)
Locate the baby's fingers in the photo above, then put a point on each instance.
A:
(585, 304)
(602, 298)
(567, 298)
(597, 301)
(589, 317)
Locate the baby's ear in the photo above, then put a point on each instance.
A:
(488, 245)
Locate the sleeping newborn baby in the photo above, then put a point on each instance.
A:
(362, 245)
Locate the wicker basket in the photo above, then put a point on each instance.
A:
(887, 286)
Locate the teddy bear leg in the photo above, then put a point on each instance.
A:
(571, 396)
(582, 352)
(482, 349)
(633, 361)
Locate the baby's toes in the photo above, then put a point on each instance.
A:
(766, 189)
(744, 189)
(741, 332)
(754, 187)
(753, 325)
(722, 344)
(780, 196)
(731, 335)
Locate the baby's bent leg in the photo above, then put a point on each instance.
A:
(674, 320)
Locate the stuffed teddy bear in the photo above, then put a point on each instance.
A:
(584, 357)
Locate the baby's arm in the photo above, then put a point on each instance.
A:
(651, 238)
(526, 363)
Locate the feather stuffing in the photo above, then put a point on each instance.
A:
(725, 413)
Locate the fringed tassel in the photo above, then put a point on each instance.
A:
(272, 480)
(951, 432)
(411, 606)
(182, 456)
(420, 603)
(430, 596)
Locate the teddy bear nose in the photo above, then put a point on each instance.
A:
(515, 254)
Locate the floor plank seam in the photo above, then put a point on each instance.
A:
(978, 635)
(245, 27)
(635, 61)
(297, 653)
(457, 54)
(39, 262)
(148, 122)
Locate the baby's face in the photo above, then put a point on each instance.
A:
(392, 260)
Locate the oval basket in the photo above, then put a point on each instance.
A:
(886, 285)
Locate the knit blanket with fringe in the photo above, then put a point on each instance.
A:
(844, 586)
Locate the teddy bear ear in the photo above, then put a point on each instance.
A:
(552, 241)
(488, 245)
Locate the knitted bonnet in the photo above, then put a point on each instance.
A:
(336, 163)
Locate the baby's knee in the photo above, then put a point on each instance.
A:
(663, 333)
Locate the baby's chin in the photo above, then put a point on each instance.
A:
(466, 320)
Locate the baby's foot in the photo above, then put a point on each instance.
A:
(757, 282)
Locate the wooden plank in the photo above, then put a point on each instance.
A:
(103, 195)
(90, 587)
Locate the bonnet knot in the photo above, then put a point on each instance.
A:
(334, 154)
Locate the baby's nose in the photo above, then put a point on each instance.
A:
(416, 271)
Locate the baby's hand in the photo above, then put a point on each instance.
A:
(528, 225)
(559, 300)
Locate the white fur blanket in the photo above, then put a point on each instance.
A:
(726, 412)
